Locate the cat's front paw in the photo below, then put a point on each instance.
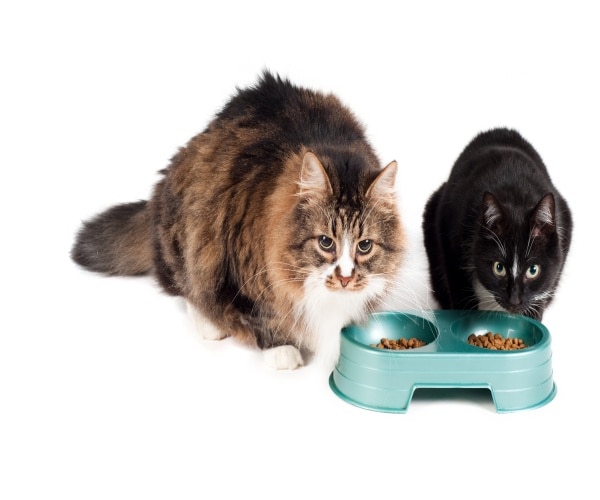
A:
(207, 330)
(283, 357)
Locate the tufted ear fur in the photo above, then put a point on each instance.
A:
(543, 218)
(313, 177)
(385, 182)
(493, 215)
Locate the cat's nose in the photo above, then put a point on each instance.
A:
(515, 298)
(344, 280)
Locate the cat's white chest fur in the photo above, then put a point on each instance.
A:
(325, 312)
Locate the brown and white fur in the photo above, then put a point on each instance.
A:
(276, 224)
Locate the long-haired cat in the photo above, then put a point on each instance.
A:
(277, 224)
(497, 232)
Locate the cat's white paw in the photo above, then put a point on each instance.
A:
(203, 325)
(283, 357)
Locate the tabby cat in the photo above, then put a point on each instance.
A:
(497, 233)
(277, 224)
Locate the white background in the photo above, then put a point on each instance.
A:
(107, 392)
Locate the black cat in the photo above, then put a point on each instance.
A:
(497, 232)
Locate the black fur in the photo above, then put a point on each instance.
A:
(499, 193)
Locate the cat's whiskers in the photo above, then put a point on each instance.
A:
(487, 302)
(276, 284)
(278, 328)
(282, 266)
(265, 269)
(408, 298)
(313, 309)
(395, 286)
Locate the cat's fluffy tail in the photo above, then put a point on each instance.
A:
(117, 241)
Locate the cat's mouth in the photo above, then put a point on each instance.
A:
(344, 283)
(525, 310)
(338, 286)
(488, 301)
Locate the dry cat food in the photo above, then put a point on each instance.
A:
(400, 344)
(496, 342)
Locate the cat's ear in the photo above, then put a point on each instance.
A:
(313, 177)
(543, 221)
(492, 213)
(385, 182)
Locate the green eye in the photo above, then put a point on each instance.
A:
(364, 246)
(326, 243)
(533, 271)
(499, 269)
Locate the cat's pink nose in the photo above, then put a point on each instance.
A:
(344, 280)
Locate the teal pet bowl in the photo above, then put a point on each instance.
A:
(385, 380)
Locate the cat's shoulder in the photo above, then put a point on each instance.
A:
(501, 141)
(501, 137)
(273, 98)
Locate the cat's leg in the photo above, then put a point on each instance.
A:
(206, 328)
(434, 247)
(279, 350)
(280, 357)
(283, 357)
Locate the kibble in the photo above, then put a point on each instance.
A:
(399, 344)
(496, 342)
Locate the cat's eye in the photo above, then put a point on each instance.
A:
(326, 243)
(364, 246)
(533, 271)
(499, 269)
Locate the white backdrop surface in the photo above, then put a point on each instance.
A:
(106, 391)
